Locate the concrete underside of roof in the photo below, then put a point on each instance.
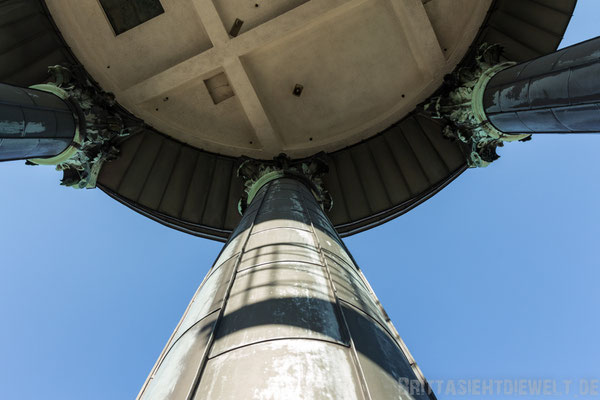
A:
(384, 156)
(363, 65)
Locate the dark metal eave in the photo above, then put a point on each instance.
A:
(344, 230)
(375, 220)
(371, 182)
(199, 230)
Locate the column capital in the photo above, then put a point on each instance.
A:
(311, 171)
(459, 104)
(101, 124)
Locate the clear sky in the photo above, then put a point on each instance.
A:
(496, 277)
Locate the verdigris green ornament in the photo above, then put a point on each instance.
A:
(460, 106)
(256, 173)
(101, 125)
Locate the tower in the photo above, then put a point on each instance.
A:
(358, 157)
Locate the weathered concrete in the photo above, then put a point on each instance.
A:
(364, 65)
(284, 313)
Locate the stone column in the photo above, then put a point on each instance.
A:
(68, 122)
(557, 93)
(284, 313)
(35, 123)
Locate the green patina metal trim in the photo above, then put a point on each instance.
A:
(100, 126)
(262, 181)
(479, 110)
(462, 107)
(256, 174)
(61, 158)
(255, 187)
(50, 88)
(477, 96)
(65, 156)
(71, 150)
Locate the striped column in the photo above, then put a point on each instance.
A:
(285, 313)
(34, 123)
(556, 93)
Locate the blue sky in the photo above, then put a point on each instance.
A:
(496, 277)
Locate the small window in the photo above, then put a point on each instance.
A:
(126, 14)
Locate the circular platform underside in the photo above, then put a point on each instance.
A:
(196, 191)
(361, 64)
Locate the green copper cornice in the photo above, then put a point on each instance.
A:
(460, 105)
(255, 174)
(100, 126)
(71, 151)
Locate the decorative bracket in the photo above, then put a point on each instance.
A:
(460, 105)
(101, 125)
(256, 174)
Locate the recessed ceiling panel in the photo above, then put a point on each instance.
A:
(162, 41)
(239, 16)
(191, 111)
(353, 69)
(127, 14)
(451, 21)
(296, 76)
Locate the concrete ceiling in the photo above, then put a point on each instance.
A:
(363, 65)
